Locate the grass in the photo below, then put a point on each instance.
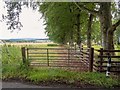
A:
(38, 75)
(12, 67)
(11, 56)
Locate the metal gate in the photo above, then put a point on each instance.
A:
(56, 57)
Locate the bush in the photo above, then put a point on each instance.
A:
(52, 45)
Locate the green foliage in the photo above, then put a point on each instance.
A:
(9, 72)
(61, 21)
(117, 35)
(96, 33)
(58, 25)
(11, 55)
(11, 61)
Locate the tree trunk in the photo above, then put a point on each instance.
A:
(106, 23)
(89, 31)
(71, 38)
(104, 39)
(110, 40)
(78, 31)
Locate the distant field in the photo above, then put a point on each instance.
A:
(31, 45)
(27, 43)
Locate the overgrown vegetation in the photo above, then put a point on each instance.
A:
(12, 67)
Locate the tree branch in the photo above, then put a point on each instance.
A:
(81, 7)
(114, 26)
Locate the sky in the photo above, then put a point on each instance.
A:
(32, 25)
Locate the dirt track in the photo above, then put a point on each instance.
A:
(17, 84)
(20, 85)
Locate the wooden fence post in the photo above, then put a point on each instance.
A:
(91, 59)
(27, 54)
(101, 59)
(68, 56)
(75, 49)
(81, 53)
(47, 57)
(23, 55)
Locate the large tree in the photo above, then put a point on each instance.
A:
(65, 18)
(59, 27)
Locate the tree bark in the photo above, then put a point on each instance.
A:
(110, 40)
(89, 31)
(71, 38)
(104, 39)
(78, 31)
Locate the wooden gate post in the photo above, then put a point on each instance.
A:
(101, 59)
(75, 49)
(68, 56)
(23, 55)
(81, 53)
(47, 57)
(91, 59)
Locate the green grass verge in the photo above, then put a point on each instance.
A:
(38, 75)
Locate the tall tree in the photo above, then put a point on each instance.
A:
(64, 17)
(60, 18)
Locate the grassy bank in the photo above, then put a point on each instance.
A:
(43, 75)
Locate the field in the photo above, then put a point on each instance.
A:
(12, 68)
